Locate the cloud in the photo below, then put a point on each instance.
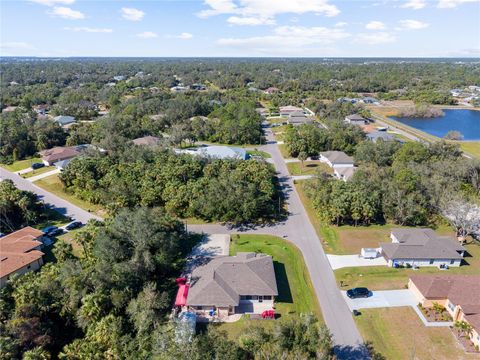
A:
(16, 45)
(147, 35)
(412, 25)
(184, 36)
(66, 13)
(414, 4)
(263, 12)
(448, 4)
(375, 25)
(89, 29)
(341, 24)
(132, 14)
(375, 38)
(288, 39)
(53, 2)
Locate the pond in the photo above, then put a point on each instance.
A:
(467, 122)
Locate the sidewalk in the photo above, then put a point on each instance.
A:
(44, 175)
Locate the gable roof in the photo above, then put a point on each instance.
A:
(374, 136)
(64, 119)
(421, 243)
(18, 249)
(355, 117)
(146, 140)
(224, 279)
(337, 157)
(59, 153)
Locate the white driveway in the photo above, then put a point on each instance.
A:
(343, 261)
(382, 299)
(303, 177)
(44, 175)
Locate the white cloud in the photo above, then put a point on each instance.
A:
(412, 25)
(415, 4)
(89, 29)
(375, 25)
(53, 2)
(263, 12)
(341, 24)
(147, 35)
(66, 13)
(375, 38)
(448, 4)
(132, 14)
(184, 36)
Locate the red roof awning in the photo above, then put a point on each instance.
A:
(181, 299)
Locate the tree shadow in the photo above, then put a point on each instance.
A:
(358, 352)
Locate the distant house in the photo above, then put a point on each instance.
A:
(298, 118)
(459, 294)
(198, 87)
(344, 173)
(376, 135)
(285, 111)
(421, 247)
(355, 119)
(216, 152)
(119, 78)
(59, 153)
(146, 141)
(270, 90)
(64, 120)
(179, 88)
(336, 159)
(41, 109)
(369, 100)
(226, 285)
(20, 253)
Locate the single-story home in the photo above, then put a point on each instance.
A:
(216, 152)
(57, 154)
(41, 109)
(146, 141)
(285, 111)
(376, 135)
(64, 120)
(20, 253)
(244, 283)
(298, 118)
(271, 90)
(344, 173)
(355, 119)
(421, 247)
(459, 294)
(336, 159)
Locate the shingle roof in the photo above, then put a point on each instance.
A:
(18, 249)
(355, 117)
(146, 140)
(374, 136)
(64, 119)
(224, 279)
(337, 157)
(59, 153)
(421, 243)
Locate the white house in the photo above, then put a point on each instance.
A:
(336, 159)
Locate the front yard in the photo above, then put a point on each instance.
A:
(308, 168)
(21, 164)
(296, 294)
(38, 171)
(398, 333)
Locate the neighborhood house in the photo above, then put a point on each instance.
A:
(228, 285)
(64, 121)
(20, 253)
(421, 247)
(146, 141)
(285, 111)
(376, 135)
(60, 156)
(459, 294)
(336, 159)
(355, 119)
(217, 152)
(344, 173)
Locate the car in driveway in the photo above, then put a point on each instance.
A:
(48, 229)
(55, 232)
(358, 293)
(73, 225)
(36, 166)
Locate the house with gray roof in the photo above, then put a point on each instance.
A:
(344, 173)
(376, 135)
(216, 152)
(355, 119)
(64, 120)
(336, 159)
(233, 284)
(421, 247)
(146, 141)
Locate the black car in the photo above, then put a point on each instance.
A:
(37, 165)
(358, 292)
(55, 232)
(73, 225)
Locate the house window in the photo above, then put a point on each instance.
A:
(431, 261)
(452, 262)
(248, 297)
(28, 267)
(451, 306)
(267, 297)
(242, 297)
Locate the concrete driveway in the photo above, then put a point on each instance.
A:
(382, 299)
(343, 261)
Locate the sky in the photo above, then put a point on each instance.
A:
(240, 28)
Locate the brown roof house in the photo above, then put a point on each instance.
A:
(421, 247)
(61, 155)
(20, 253)
(239, 284)
(146, 141)
(459, 294)
(336, 159)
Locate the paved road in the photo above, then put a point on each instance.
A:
(299, 230)
(59, 204)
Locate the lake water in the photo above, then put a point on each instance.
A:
(465, 121)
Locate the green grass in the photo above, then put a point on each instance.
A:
(260, 153)
(21, 164)
(308, 168)
(69, 238)
(284, 151)
(53, 184)
(397, 333)
(471, 147)
(38, 171)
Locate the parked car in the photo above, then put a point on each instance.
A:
(37, 165)
(55, 232)
(358, 292)
(73, 225)
(49, 229)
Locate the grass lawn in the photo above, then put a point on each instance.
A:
(308, 168)
(21, 164)
(471, 147)
(398, 333)
(53, 184)
(387, 278)
(38, 171)
(260, 153)
(283, 151)
(296, 294)
(69, 238)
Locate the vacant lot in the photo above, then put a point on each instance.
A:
(308, 168)
(471, 147)
(296, 294)
(53, 184)
(21, 164)
(398, 333)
